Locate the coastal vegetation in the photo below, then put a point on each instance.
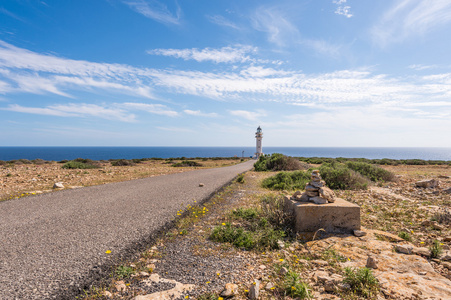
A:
(342, 176)
(278, 162)
(80, 163)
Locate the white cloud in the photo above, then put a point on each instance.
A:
(155, 10)
(222, 55)
(199, 113)
(276, 24)
(76, 110)
(248, 115)
(409, 18)
(157, 109)
(420, 67)
(344, 11)
(221, 21)
(339, 2)
(175, 129)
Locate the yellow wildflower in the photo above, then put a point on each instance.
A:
(293, 288)
(281, 260)
(108, 251)
(223, 224)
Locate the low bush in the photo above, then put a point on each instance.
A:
(338, 176)
(80, 163)
(123, 272)
(255, 229)
(436, 249)
(240, 178)
(287, 181)
(278, 162)
(374, 173)
(405, 236)
(362, 281)
(39, 161)
(295, 287)
(187, 163)
(2, 163)
(25, 161)
(122, 163)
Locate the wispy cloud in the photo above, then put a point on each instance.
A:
(344, 10)
(276, 24)
(175, 129)
(221, 21)
(157, 109)
(10, 14)
(198, 113)
(410, 18)
(222, 55)
(76, 110)
(248, 115)
(155, 10)
(420, 67)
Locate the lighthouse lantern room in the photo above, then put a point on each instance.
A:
(259, 136)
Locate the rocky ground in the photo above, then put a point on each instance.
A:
(22, 179)
(185, 263)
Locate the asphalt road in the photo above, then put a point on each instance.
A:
(54, 244)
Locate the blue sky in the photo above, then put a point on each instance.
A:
(312, 73)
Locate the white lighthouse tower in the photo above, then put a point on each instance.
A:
(259, 136)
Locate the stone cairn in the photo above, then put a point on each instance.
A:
(316, 191)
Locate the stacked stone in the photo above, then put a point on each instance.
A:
(316, 191)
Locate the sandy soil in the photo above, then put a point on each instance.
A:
(21, 180)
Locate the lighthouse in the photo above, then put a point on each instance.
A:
(258, 137)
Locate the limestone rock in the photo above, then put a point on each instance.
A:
(437, 226)
(447, 238)
(312, 193)
(58, 185)
(327, 194)
(269, 286)
(297, 193)
(304, 197)
(329, 286)
(431, 183)
(421, 251)
(446, 265)
(447, 191)
(310, 188)
(201, 184)
(318, 184)
(318, 200)
(283, 271)
(230, 290)
(107, 294)
(359, 233)
(371, 262)
(120, 286)
(254, 290)
(176, 292)
(406, 249)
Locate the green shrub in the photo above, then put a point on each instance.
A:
(240, 178)
(287, 181)
(122, 163)
(272, 210)
(374, 173)
(187, 163)
(78, 165)
(2, 162)
(295, 287)
(245, 213)
(405, 236)
(238, 237)
(362, 281)
(436, 249)
(277, 162)
(39, 161)
(124, 272)
(338, 176)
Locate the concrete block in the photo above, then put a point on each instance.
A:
(338, 217)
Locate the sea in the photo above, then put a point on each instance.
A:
(105, 153)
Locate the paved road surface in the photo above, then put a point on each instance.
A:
(52, 244)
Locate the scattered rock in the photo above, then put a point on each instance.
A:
(173, 293)
(447, 238)
(447, 191)
(230, 290)
(107, 294)
(283, 271)
(281, 244)
(254, 290)
(315, 191)
(406, 249)
(58, 185)
(431, 183)
(262, 267)
(320, 262)
(201, 184)
(329, 285)
(359, 233)
(371, 262)
(421, 251)
(327, 194)
(269, 286)
(446, 256)
(120, 286)
(443, 176)
(437, 226)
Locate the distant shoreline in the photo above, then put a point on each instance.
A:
(106, 153)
